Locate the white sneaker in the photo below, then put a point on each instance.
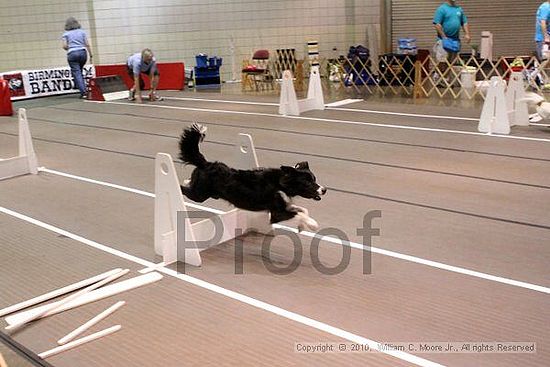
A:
(132, 95)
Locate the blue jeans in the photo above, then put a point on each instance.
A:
(539, 50)
(77, 60)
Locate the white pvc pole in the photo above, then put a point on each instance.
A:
(79, 330)
(80, 341)
(67, 300)
(93, 296)
(56, 293)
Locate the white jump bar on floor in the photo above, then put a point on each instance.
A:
(56, 293)
(93, 296)
(88, 324)
(80, 341)
(53, 308)
(230, 294)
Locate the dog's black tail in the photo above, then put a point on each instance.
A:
(189, 145)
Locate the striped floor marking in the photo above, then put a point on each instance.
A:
(315, 119)
(359, 246)
(229, 293)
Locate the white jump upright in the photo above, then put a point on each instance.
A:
(245, 154)
(289, 103)
(25, 162)
(518, 112)
(169, 201)
(494, 115)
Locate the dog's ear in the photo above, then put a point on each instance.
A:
(288, 169)
(302, 165)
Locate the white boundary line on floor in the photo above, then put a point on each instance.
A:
(75, 237)
(222, 101)
(388, 126)
(342, 102)
(359, 246)
(406, 114)
(119, 187)
(229, 293)
(332, 106)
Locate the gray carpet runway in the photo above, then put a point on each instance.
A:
(446, 195)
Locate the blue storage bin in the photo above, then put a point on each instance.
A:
(214, 62)
(202, 60)
(406, 43)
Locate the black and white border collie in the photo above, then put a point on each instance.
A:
(262, 189)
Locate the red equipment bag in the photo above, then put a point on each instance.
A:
(6, 108)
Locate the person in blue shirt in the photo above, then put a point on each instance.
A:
(75, 42)
(143, 63)
(541, 28)
(449, 18)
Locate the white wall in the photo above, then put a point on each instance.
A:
(177, 30)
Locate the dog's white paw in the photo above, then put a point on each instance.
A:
(186, 182)
(535, 117)
(306, 222)
(543, 109)
(299, 209)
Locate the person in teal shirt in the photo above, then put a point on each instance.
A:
(541, 28)
(449, 18)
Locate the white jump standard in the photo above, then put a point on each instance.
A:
(494, 115)
(505, 105)
(518, 112)
(289, 103)
(261, 197)
(25, 162)
(169, 201)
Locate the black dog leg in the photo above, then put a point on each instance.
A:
(279, 216)
(285, 210)
(192, 194)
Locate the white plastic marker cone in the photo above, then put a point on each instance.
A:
(494, 115)
(515, 100)
(289, 105)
